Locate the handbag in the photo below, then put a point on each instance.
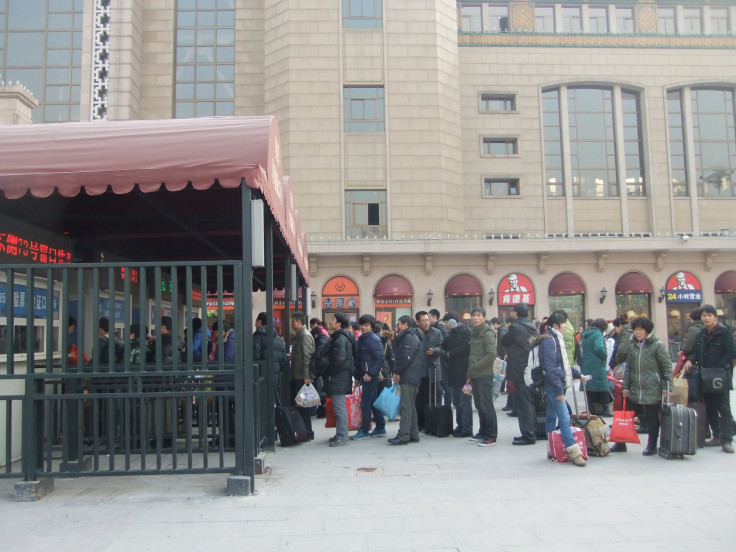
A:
(623, 429)
(679, 389)
(388, 402)
(713, 380)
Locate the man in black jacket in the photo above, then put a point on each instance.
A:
(715, 348)
(339, 374)
(517, 346)
(432, 349)
(408, 370)
(456, 349)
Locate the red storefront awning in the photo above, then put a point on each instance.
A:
(726, 282)
(463, 284)
(393, 286)
(566, 283)
(632, 283)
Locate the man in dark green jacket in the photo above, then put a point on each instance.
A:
(480, 376)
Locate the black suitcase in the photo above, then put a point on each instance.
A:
(290, 426)
(437, 417)
(677, 434)
(541, 430)
(702, 423)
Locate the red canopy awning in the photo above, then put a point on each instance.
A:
(393, 286)
(566, 283)
(148, 155)
(726, 282)
(632, 283)
(463, 284)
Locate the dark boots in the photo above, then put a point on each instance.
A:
(618, 447)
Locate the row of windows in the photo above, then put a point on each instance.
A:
(486, 17)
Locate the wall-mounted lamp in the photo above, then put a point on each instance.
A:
(314, 300)
(491, 296)
(662, 294)
(429, 297)
(604, 293)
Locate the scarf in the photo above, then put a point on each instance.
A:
(565, 361)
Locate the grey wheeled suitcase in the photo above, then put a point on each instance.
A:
(678, 431)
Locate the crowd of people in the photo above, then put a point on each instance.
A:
(460, 358)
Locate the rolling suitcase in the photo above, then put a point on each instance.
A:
(289, 425)
(677, 434)
(437, 417)
(702, 422)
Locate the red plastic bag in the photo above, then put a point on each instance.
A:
(623, 429)
(556, 448)
(355, 414)
(681, 359)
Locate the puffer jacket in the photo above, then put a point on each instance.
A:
(517, 346)
(715, 350)
(593, 361)
(624, 343)
(551, 350)
(691, 337)
(431, 340)
(370, 356)
(341, 357)
(456, 347)
(301, 352)
(647, 364)
(482, 351)
(408, 356)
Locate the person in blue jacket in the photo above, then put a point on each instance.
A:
(558, 376)
(368, 364)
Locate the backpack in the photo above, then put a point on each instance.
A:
(533, 373)
(320, 361)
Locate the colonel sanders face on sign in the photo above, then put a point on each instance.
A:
(681, 282)
(513, 281)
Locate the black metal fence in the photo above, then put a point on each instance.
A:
(133, 406)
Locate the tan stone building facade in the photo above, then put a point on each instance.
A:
(445, 146)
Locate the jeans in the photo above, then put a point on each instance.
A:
(408, 425)
(305, 413)
(483, 398)
(463, 410)
(341, 417)
(370, 393)
(718, 411)
(524, 407)
(557, 413)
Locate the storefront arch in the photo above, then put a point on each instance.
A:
(463, 293)
(392, 298)
(633, 295)
(683, 293)
(567, 292)
(725, 290)
(340, 294)
(515, 289)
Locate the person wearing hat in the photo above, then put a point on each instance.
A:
(456, 350)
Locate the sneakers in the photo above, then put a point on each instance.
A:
(377, 433)
(727, 447)
(477, 438)
(337, 443)
(487, 442)
(360, 435)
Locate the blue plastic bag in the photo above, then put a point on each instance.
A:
(388, 402)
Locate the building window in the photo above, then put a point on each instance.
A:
(483, 18)
(470, 18)
(498, 19)
(497, 103)
(592, 142)
(500, 187)
(502, 147)
(598, 20)
(41, 47)
(633, 144)
(719, 21)
(362, 14)
(625, 20)
(552, 143)
(205, 58)
(714, 140)
(678, 165)
(590, 149)
(544, 19)
(692, 21)
(365, 214)
(363, 109)
(571, 19)
(666, 21)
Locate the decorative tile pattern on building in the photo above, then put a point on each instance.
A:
(647, 19)
(596, 41)
(100, 60)
(522, 17)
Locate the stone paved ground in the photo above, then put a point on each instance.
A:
(437, 495)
